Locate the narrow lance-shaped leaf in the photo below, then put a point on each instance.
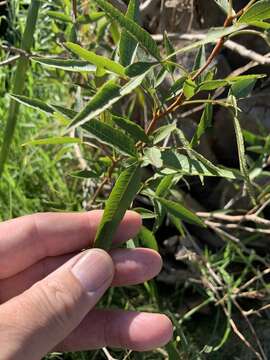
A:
(54, 141)
(128, 45)
(120, 199)
(241, 149)
(142, 36)
(205, 122)
(98, 60)
(181, 212)
(169, 50)
(66, 64)
(108, 135)
(57, 15)
(147, 238)
(33, 103)
(106, 96)
(133, 129)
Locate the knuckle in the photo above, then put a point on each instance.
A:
(57, 301)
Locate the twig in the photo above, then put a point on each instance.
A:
(232, 45)
(15, 50)
(236, 218)
(10, 60)
(252, 330)
(239, 227)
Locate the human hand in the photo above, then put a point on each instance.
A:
(48, 287)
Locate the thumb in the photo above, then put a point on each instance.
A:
(34, 322)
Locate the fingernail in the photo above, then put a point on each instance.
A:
(94, 270)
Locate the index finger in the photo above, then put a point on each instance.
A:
(26, 240)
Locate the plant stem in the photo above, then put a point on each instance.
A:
(19, 80)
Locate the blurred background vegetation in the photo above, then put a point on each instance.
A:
(215, 291)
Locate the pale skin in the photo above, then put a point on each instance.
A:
(49, 287)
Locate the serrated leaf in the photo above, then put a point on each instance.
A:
(183, 164)
(57, 15)
(127, 44)
(106, 96)
(53, 141)
(108, 135)
(66, 64)
(33, 103)
(181, 212)
(98, 60)
(205, 123)
(139, 68)
(142, 36)
(134, 130)
(147, 239)
(258, 12)
(120, 199)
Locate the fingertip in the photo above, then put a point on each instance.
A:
(129, 226)
(157, 331)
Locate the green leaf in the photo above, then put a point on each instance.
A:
(120, 199)
(85, 174)
(134, 130)
(243, 88)
(53, 141)
(147, 239)
(258, 12)
(163, 132)
(224, 5)
(183, 164)
(181, 212)
(33, 103)
(200, 59)
(153, 156)
(212, 85)
(205, 123)
(142, 36)
(169, 50)
(189, 88)
(145, 213)
(108, 135)
(106, 96)
(98, 60)
(139, 68)
(127, 44)
(59, 16)
(212, 36)
(164, 185)
(66, 64)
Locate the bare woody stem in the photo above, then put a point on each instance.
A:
(181, 98)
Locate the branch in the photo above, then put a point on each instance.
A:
(232, 45)
(236, 218)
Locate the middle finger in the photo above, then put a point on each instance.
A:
(132, 266)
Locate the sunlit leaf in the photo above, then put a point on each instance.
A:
(66, 64)
(108, 135)
(54, 141)
(128, 45)
(142, 36)
(120, 199)
(258, 12)
(147, 239)
(134, 130)
(97, 60)
(181, 212)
